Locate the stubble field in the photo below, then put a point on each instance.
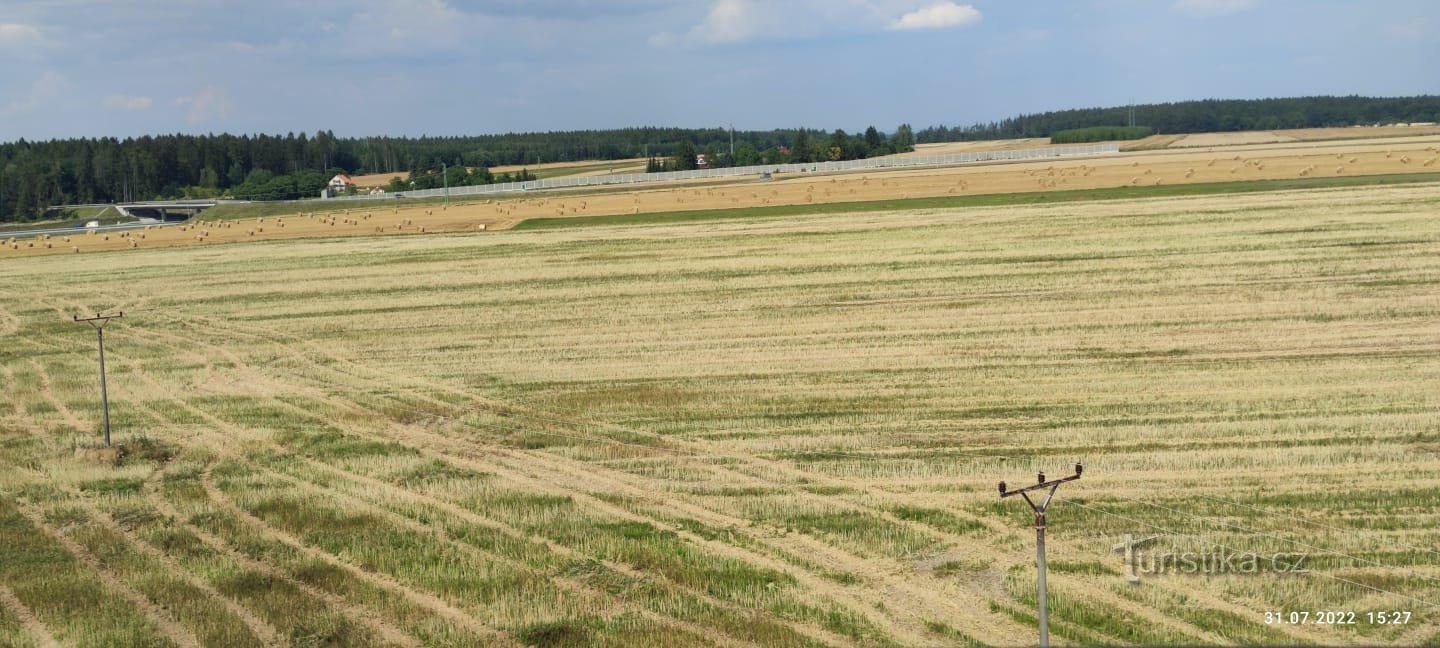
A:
(757, 432)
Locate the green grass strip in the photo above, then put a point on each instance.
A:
(984, 200)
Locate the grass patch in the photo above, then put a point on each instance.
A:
(985, 200)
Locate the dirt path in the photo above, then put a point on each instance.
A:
(167, 624)
(33, 628)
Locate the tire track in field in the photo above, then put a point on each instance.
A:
(383, 581)
(224, 425)
(363, 616)
(1301, 633)
(702, 631)
(588, 470)
(585, 475)
(167, 624)
(420, 528)
(775, 467)
(885, 577)
(458, 451)
(47, 390)
(479, 519)
(33, 628)
(547, 485)
(354, 612)
(266, 633)
(12, 390)
(762, 464)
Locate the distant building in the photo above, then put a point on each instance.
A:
(341, 182)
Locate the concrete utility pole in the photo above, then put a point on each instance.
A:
(444, 174)
(98, 322)
(1041, 600)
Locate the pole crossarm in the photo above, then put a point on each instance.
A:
(101, 318)
(1051, 485)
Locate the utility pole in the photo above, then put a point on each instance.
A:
(1041, 601)
(732, 143)
(444, 174)
(98, 322)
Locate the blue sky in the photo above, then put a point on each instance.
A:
(448, 67)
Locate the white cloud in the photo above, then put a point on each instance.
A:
(211, 104)
(736, 21)
(663, 39)
(18, 33)
(126, 102)
(1212, 7)
(1418, 30)
(730, 21)
(941, 15)
(50, 85)
(410, 27)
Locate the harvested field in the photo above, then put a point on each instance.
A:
(1147, 168)
(949, 148)
(377, 179)
(1230, 139)
(591, 165)
(768, 432)
(1365, 132)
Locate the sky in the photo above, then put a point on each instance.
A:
(120, 68)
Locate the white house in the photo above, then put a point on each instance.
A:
(341, 182)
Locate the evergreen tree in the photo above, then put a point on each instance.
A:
(684, 156)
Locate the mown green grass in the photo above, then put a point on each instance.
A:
(986, 200)
(64, 594)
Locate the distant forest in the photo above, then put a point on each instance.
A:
(37, 175)
(1204, 116)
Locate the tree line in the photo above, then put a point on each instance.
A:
(1100, 134)
(1204, 116)
(37, 175)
